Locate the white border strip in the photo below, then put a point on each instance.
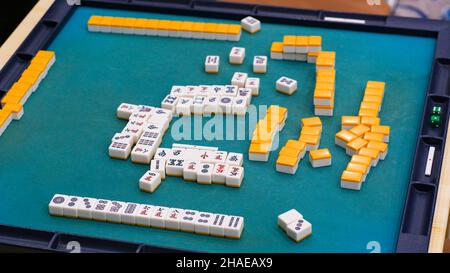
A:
(344, 20)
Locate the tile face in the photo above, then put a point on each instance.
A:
(125, 110)
(245, 93)
(286, 85)
(226, 104)
(150, 181)
(187, 221)
(158, 166)
(250, 24)
(217, 226)
(239, 79)
(260, 64)
(57, 204)
(128, 215)
(234, 159)
(299, 230)
(239, 107)
(143, 215)
(85, 207)
(212, 64)
(114, 211)
(99, 211)
(234, 177)
(288, 217)
(198, 104)
(230, 90)
(174, 167)
(70, 208)
(204, 173)
(169, 102)
(219, 173)
(178, 90)
(253, 84)
(190, 171)
(158, 217)
(203, 222)
(233, 226)
(184, 106)
(237, 55)
(173, 217)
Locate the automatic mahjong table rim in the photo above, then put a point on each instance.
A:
(52, 14)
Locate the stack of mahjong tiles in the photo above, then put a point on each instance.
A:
(265, 132)
(364, 139)
(165, 28)
(209, 99)
(201, 164)
(14, 100)
(296, 48)
(324, 92)
(294, 150)
(145, 130)
(325, 60)
(146, 215)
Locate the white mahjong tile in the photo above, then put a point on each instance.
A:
(150, 181)
(153, 127)
(234, 177)
(245, 93)
(253, 84)
(125, 110)
(234, 159)
(212, 105)
(85, 207)
(158, 217)
(143, 153)
(140, 116)
(119, 150)
(231, 90)
(163, 113)
(178, 90)
(218, 90)
(172, 219)
(163, 153)
(205, 156)
(158, 166)
(239, 106)
(70, 208)
(56, 205)
(299, 230)
(169, 102)
(203, 222)
(187, 220)
(143, 215)
(122, 138)
(205, 90)
(237, 55)
(192, 91)
(219, 157)
(226, 104)
(99, 211)
(233, 226)
(184, 106)
(190, 171)
(212, 64)
(198, 104)
(217, 226)
(239, 79)
(174, 167)
(288, 217)
(260, 64)
(204, 173)
(219, 173)
(128, 215)
(114, 211)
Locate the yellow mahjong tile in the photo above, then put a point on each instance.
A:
(370, 121)
(361, 159)
(376, 84)
(368, 113)
(369, 136)
(325, 86)
(221, 29)
(286, 151)
(315, 131)
(276, 47)
(200, 27)
(163, 25)
(357, 144)
(287, 160)
(301, 41)
(211, 27)
(350, 121)
(312, 122)
(95, 20)
(359, 130)
(315, 40)
(295, 144)
(348, 176)
(370, 105)
(289, 40)
(151, 23)
(234, 29)
(319, 154)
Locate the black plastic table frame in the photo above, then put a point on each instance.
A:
(415, 229)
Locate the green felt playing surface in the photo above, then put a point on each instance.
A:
(60, 145)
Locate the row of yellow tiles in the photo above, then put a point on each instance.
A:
(174, 25)
(12, 102)
(366, 140)
(325, 87)
(266, 128)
